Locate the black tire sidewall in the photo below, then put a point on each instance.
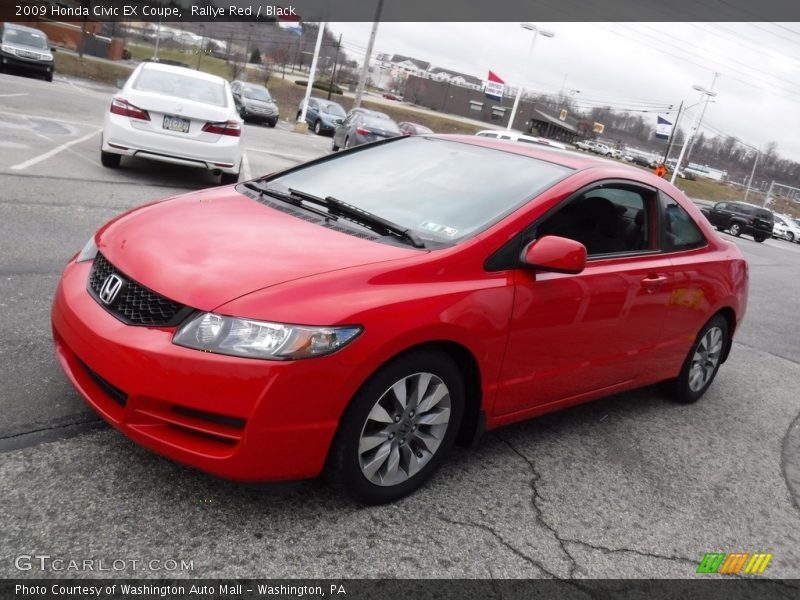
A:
(344, 455)
(681, 390)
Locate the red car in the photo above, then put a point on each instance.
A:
(319, 317)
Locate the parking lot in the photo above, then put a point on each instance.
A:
(629, 486)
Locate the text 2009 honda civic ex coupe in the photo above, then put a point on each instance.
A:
(364, 311)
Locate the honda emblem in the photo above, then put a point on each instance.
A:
(111, 287)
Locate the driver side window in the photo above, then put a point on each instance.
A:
(607, 220)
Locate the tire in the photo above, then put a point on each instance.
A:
(229, 178)
(789, 236)
(272, 123)
(110, 160)
(346, 143)
(334, 147)
(297, 118)
(49, 77)
(318, 127)
(712, 339)
(759, 238)
(735, 229)
(378, 455)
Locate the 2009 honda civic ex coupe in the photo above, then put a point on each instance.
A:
(365, 310)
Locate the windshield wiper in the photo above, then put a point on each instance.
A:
(361, 217)
(289, 199)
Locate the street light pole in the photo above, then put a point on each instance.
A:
(704, 95)
(362, 80)
(335, 64)
(301, 126)
(700, 120)
(752, 173)
(536, 32)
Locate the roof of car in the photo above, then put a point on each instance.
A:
(23, 28)
(154, 66)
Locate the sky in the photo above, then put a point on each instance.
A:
(643, 66)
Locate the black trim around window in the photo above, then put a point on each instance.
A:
(508, 256)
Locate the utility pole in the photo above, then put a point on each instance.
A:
(335, 64)
(301, 126)
(362, 80)
(672, 134)
(753, 172)
(768, 197)
(158, 37)
(202, 46)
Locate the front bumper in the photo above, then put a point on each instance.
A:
(14, 61)
(120, 138)
(242, 419)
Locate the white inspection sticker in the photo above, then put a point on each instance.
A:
(436, 228)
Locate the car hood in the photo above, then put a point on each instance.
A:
(26, 48)
(259, 103)
(207, 248)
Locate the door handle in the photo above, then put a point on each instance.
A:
(651, 282)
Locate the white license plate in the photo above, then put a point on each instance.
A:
(176, 124)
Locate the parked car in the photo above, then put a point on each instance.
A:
(586, 145)
(363, 127)
(367, 111)
(413, 128)
(786, 228)
(322, 115)
(390, 96)
(174, 115)
(741, 218)
(516, 136)
(25, 49)
(602, 149)
(254, 102)
(322, 318)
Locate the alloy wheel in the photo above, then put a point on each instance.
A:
(706, 359)
(404, 429)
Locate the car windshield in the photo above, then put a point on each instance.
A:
(257, 93)
(181, 86)
(25, 38)
(378, 123)
(443, 190)
(333, 109)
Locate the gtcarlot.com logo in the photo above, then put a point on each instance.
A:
(46, 562)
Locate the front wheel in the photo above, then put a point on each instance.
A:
(272, 123)
(789, 236)
(736, 230)
(702, 363)
(318, 127)
(398, 427)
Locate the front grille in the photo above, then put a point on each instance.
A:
(134, 304)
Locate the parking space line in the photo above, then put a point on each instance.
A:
(37, 159)
(13, 95)
(245, 166)
(40, 118)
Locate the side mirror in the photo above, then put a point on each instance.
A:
(52, 49)
(556, 254)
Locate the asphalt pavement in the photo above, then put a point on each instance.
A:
(628, 486)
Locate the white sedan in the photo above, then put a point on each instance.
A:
(786, 228)
(175, 115)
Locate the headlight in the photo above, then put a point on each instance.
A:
(89, 251)
(210, 332)
(8, 49)
(46, 57)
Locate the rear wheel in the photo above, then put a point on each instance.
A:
(736, 229)
(790, 236)
(229, 178)
(702, 363)
(398, 427)
(109, 159)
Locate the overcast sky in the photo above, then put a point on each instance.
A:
(632, 65)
